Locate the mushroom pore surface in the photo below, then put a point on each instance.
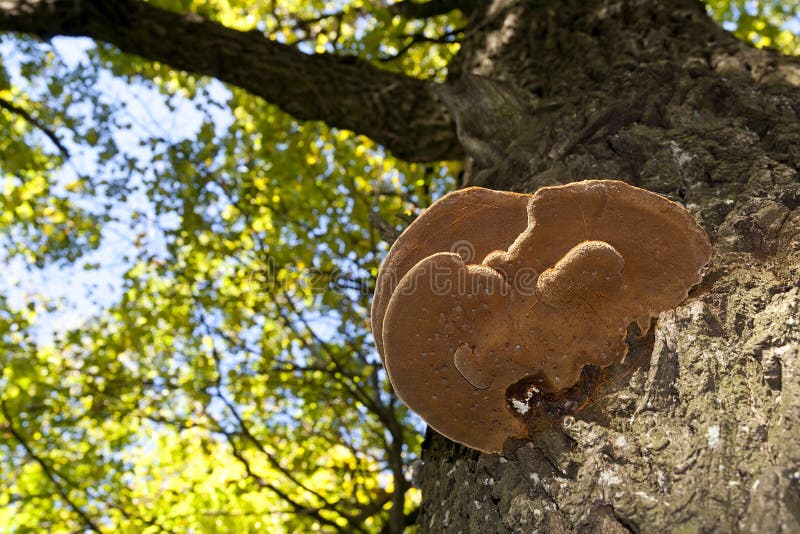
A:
(594, 257)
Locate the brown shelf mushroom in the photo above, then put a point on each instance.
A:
(471, 222)
(456, 336)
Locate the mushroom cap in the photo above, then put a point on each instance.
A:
(433, 326)
(663, 247)
(457, 336)
(471, 222)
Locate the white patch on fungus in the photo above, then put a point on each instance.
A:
(521, 407)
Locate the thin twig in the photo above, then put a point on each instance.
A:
(16, 110)
(48, 472)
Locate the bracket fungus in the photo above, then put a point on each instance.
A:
(470, 222)
(594, 257)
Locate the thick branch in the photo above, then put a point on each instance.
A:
(345, 92)
(415, 10)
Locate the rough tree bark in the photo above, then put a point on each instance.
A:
(698, 430)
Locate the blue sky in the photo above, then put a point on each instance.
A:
(83, 293)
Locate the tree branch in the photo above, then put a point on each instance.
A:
(254, 440)
(414, 10)
(33, 121)
(298, 508)
(395, 110)
(48, 472)
(448, 37)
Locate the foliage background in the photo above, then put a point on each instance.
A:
(183, 315)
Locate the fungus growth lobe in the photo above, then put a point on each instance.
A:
(551, 284)
(470, 222)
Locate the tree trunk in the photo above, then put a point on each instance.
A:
(697, 430)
